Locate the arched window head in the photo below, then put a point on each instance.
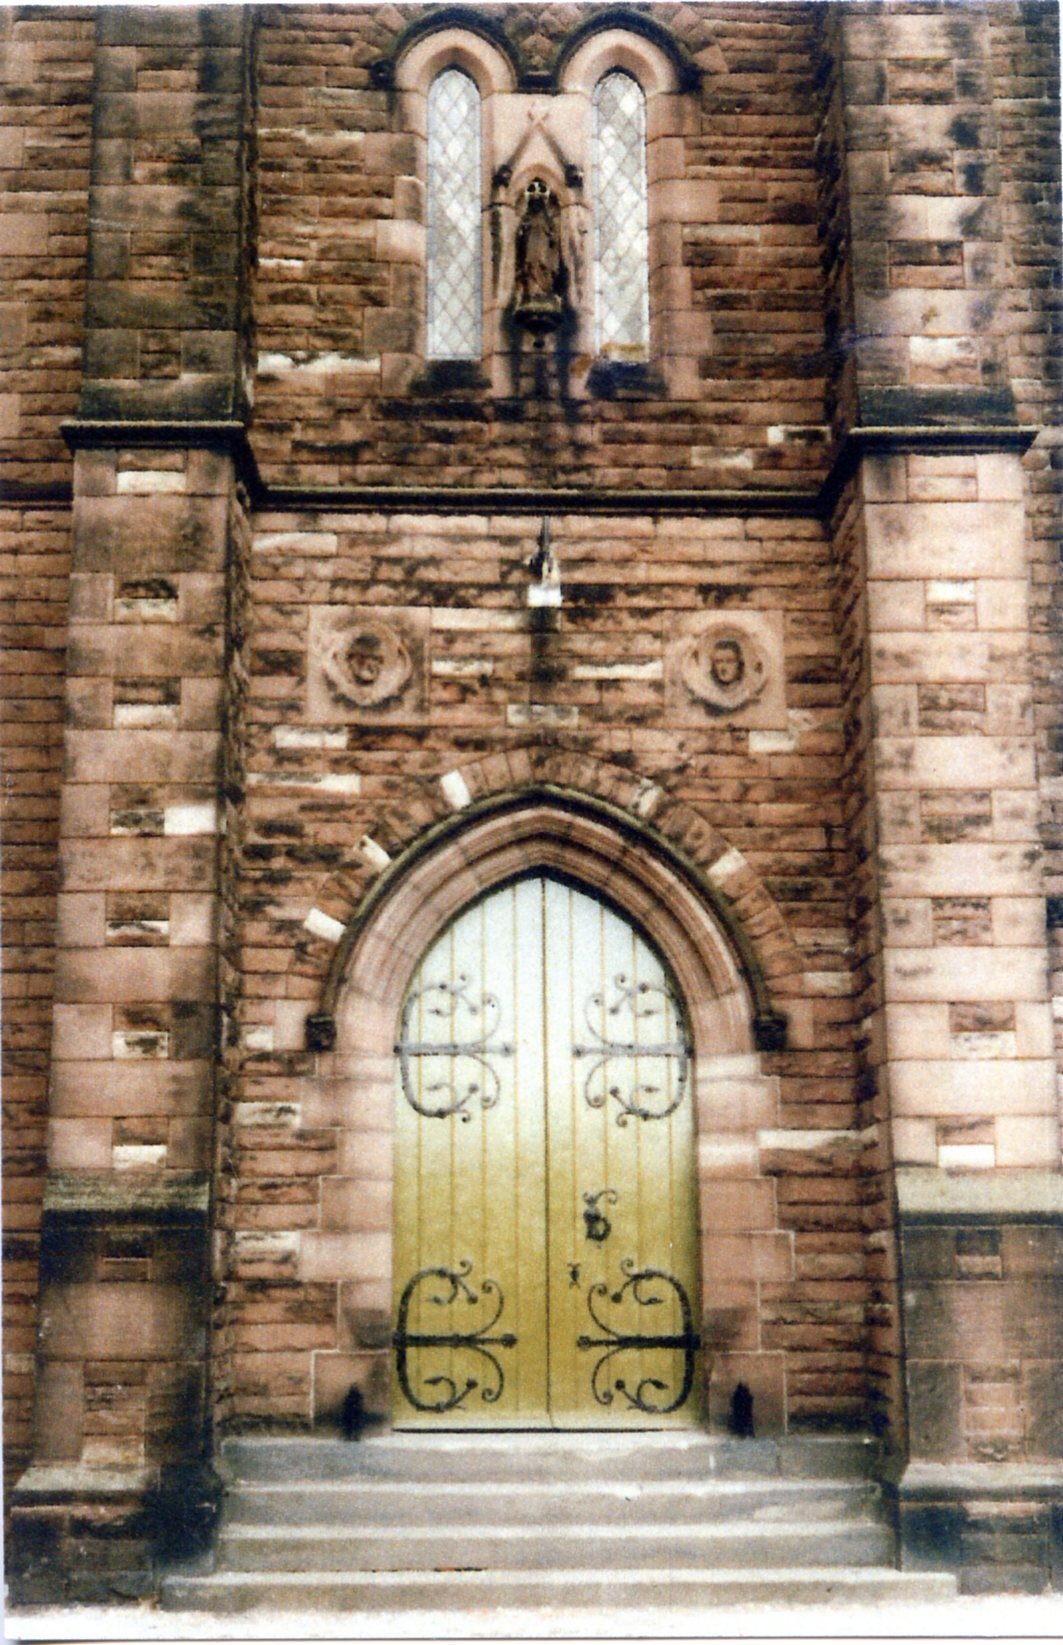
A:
(621, 225)
(454, 244)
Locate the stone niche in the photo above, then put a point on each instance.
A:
(367, 664)
(726, 667)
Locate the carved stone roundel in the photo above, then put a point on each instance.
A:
(725, 668)
(366, 665)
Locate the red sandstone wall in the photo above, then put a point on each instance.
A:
(336, 299)
(44, 161)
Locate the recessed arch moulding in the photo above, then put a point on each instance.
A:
(529, 132)
(698, 931)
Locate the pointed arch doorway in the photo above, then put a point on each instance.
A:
(545, 1216)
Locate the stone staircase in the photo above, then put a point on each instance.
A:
(494, 1521)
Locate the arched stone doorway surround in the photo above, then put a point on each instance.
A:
(694, 897)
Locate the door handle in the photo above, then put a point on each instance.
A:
(598, 1226)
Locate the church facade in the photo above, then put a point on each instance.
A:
(532, 862)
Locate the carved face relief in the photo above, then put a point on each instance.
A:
(727, 667)
(367, 666)
(365, 661)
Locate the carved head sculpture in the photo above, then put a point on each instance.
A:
(366, 665)
(725, 668)
(727, 665)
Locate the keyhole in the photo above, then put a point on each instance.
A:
(573, 1273)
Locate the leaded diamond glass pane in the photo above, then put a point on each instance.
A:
(621, 231)
(454, 253)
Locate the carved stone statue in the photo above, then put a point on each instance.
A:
(540, 274)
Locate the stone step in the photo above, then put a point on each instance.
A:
(529, 1547)
(603, 1502)
(229, 1593)
(503, 1457)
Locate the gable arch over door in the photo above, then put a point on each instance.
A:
(635, 873)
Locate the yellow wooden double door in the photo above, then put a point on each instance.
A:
(545, 1252)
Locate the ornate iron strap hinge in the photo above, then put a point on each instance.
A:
(478, 1342)
(686, 1341)
(645, 1098)
(453, 1002)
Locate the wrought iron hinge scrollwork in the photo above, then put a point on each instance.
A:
(641, 1096)
(480, 1341)
(686, 1341)
(452, 1001)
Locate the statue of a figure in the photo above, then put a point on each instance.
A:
(540, 271)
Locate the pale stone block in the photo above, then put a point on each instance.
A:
(966, 1156)
(728, 1157)
(952, 870)
(917, 1030)
(79, 1144)
(286, 1115)
(1002, 602)
(371, 1157)
(914, 1142)
(81, 919)
(309, 543)
(1000, 477)
(193, 920)
(687, 200)
(344, 1256)
(521, 716)
(289, 1024)
(985, 1047)
(475, 619)
(373, 853)
(302, 736)
(736, 1105)
(907, 922)
(1033, 1029)
(320, 924)
(147, 482)
(949, 655)
(275, 1247)
(947, 1088)
(951, 590)
(138, 1156)
(115, 756)
(455, 790)
(1009, 710)
(84, 811)
(140, 1045)
(895, 605)
(727, 866)
(772, 742)
(198, 818)
(1028, 1140)
(257, 1036)
(898, 816)
(81, 1032)
(965, 974)
(945, 540)
(398, 240)
(895, 708)
(954, 762)
(1015, 814)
